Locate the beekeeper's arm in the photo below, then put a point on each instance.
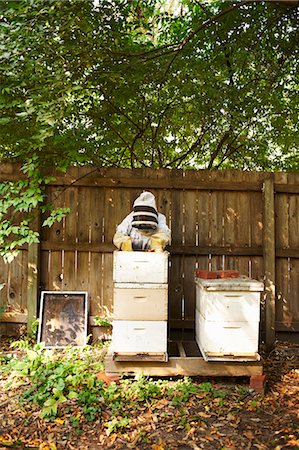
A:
(122, 238)
(161, 237)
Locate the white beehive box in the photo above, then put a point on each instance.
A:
(131, 336)
(225, 340)
(140, 267)
(232, 300)
(227, 317)
(140, 301)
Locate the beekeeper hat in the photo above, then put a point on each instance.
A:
(145, 214)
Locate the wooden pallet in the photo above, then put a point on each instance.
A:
(184, 359)
(137, 357)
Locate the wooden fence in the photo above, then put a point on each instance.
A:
(219, 220)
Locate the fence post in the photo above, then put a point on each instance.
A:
(33, 275)
(269, 260)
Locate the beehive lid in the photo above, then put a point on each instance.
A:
(230, 284)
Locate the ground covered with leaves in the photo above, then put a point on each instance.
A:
(53, 400)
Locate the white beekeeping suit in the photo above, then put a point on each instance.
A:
(144, 228)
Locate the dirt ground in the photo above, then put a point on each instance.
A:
(253, 421)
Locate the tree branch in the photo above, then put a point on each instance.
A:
(204, 25)
(218, 149)
(193, 146)
(227, 154)
(118, 110)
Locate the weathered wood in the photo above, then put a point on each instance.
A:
(282, 257)
(290, 189)
(141, 183)
(284, 326)
(176, 249)
(55, 271)
(185, 366)
(176, 272)
(33, 276)
(78, 246)
(269, 261)
(287, 253)
(292, 304)
(181, 350)
(111, 220)
(190, 220)
(14, 317)
(133, 357)
(162, 178)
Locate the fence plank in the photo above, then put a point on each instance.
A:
(55, 273)
(96, 285)
(176, 276)
(111, 219)
(83, 235)
(190, 218)
(294, 288)
(294, 263)
(269, 261)
(33, 276)
(97, 223)
(282, 264)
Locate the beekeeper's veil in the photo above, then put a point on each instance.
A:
(145, 215)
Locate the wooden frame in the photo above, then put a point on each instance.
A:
(63, 319)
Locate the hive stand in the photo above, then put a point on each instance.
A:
(185, 359)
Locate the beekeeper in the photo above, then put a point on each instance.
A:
(144, 228)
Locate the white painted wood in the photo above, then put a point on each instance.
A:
(141, 285)
(140, 267)
(230, 284)
(226, 337)
(140, 303)
(228, 306)
(139, 336)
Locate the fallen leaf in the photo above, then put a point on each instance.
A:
(249, 435)
(161, 403)
(204, 415)
(59, 421)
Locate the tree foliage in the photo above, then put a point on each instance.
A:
(132, 84)
(186, 84)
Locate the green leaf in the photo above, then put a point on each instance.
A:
(51, 401)
(4, 120)
(72, 395)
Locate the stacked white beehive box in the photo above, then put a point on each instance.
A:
(227, 318)
(140, 305)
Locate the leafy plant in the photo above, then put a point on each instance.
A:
(102, 321)
(143, 389)
(117, 423)
(65, 381)
(56, 216)
(182, 390)
(20, 201)
(55, 378)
